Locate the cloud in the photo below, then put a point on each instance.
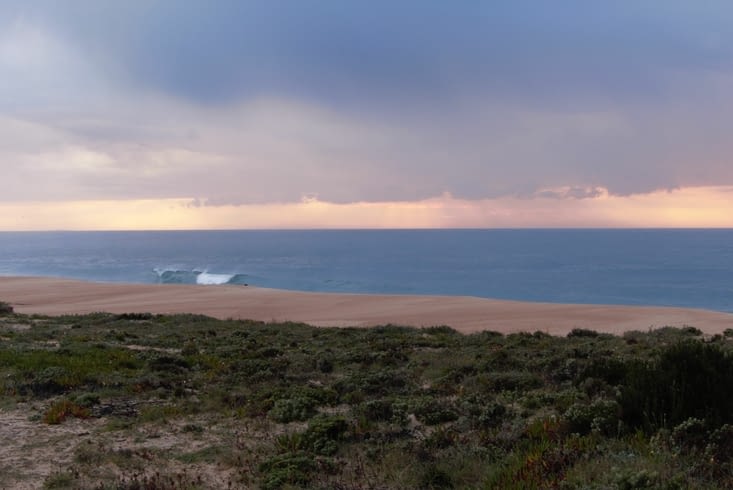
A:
(40, 70)
(276, 150)
(251, 103)
(687, 207)
(366, 55)
(571, 193)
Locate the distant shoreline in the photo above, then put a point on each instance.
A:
(55, 296)
(675, 268)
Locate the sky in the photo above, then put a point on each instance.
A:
(162, 114)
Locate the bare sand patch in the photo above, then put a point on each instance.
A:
(32, 451)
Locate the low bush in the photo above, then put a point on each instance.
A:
(292, 409)
(323, 435)
(87, 400)
(377, 410)
(492, 414)
(5, 308)
(515, 381)
(435, 478)
(611, 370)
(689, 436)
(287, 469)
(430, 411)
(599, 416)
(719, 450)
(62, 409)
(636, 479)
(582, 332)
(60, 480)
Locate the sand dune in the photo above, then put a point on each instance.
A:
(467, 314)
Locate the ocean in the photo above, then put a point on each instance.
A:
(688, 268)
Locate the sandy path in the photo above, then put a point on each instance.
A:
(31, 450)
(466, 314)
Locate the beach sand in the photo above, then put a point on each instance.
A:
(51, 296)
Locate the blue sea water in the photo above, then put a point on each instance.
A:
(691, 268)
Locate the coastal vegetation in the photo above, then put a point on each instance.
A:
(142, 401)
(5, 308)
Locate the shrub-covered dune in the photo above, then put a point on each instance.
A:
(141, 401)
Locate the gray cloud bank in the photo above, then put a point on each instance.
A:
(237, 102)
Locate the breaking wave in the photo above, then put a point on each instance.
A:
(177, 276)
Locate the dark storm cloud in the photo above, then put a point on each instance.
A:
(368, 100)
(374, 52)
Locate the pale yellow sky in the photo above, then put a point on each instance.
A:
(706, 207)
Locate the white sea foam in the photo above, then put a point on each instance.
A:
(213, 279)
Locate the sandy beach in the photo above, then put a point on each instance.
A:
(52, 296)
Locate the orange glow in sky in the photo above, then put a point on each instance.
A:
(682, 208)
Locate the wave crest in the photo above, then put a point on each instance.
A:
(178, 276)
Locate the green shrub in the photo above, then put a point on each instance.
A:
(441, 330)
(515, 381)
(87, 400)
(690, 379)
(708, 452)
(292, 409)
(135, 316)
(379, 383)
(430, 411)
(60, 480)
(691, 435)
(287, 469)
(611, 370)
(435, 478)
(383, 410)
(157, 481)
(323, 435)
(51, 381)
(688, 330)
(636, 479)
(719, 449)
(441, 438)
(171, 364)
(189, 349)
(324, 365)
(377, 410)
(492, 414)
(600, 416)
(258, 370)
(5, 308)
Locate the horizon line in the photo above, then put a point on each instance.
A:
(503, 228)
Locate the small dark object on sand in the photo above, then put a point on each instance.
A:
(5, 308)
